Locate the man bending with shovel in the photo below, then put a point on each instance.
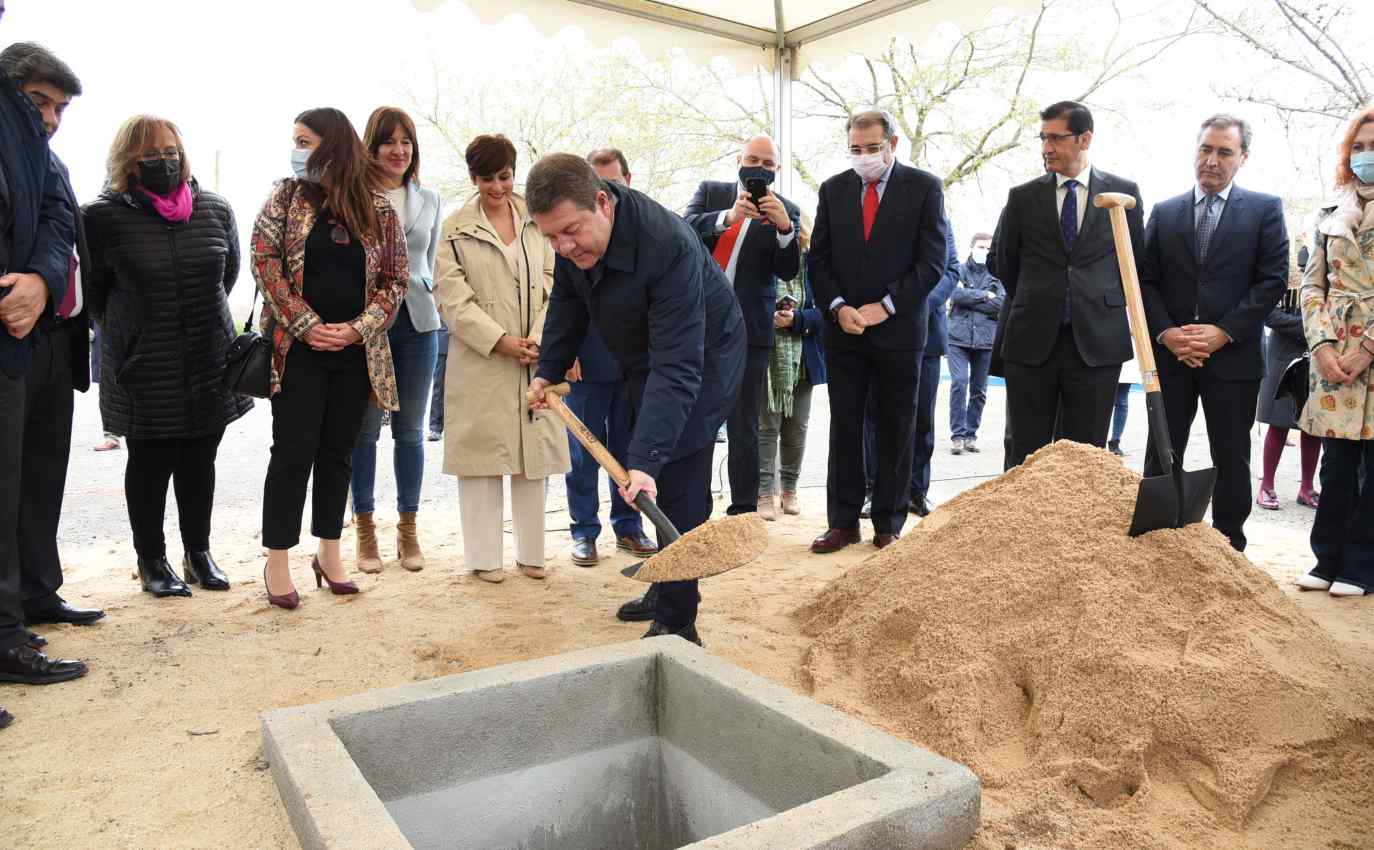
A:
(666, 311)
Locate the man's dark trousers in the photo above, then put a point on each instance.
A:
(684, 495)
(605, 409)
(1063, 388)
(893, 377)
(742, 430)
(12, 632)
(1228, 407)
(923, 443)
(47, 446)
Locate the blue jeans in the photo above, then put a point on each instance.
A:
(1119, 411)
(968, 378)
(605, 409)
(412, 354)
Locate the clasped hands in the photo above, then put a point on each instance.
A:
(20, 309)
(334, 336)
(1193, 344)
(524, 349)
(1342, 368)
(769, 209)
(853, 320)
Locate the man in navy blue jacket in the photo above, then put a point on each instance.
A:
(36, 239)
(666, 312)
(600, 399)
(1215, 263)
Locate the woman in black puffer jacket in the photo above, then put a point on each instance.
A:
(163, 257)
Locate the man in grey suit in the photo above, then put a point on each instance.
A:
(1063, 330)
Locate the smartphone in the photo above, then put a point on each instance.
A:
(787, 302)
(757, 189)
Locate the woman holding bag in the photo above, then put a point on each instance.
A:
(329, 255)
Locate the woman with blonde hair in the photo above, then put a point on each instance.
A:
(1337, 298)
(495, 273)
(164, 255)
(329, 255)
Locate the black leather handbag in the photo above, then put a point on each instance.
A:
(248, 362)
(1294, 382)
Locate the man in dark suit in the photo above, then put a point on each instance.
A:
(601, 400)
(753, 244)
(667, 314)
(36, 238)
(878, 250)
(1064, 336)
(61, 364)
(1215, 263)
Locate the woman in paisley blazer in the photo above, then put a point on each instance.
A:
(1337, 298)
(329, 254)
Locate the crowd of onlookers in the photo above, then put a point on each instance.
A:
(378, 305)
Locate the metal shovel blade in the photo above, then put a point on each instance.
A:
(1172, 501)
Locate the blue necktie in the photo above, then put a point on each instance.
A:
(1206, 225)
(1068, 228)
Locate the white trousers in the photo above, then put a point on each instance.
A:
(481, 508)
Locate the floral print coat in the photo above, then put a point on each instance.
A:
(279, 236)
(1338, 305)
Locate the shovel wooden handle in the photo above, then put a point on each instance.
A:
(553, 396)
(1116, 204)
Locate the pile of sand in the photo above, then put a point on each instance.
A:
(1110, 691)
(709, 549)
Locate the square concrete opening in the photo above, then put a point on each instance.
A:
(651, 745)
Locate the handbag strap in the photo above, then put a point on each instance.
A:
(248, 322)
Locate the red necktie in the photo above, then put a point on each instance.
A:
(725, 245)
(64, 310)
(870, 208)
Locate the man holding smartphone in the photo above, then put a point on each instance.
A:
(752, 233)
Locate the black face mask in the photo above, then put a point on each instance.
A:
(159, 176)
(756, 172)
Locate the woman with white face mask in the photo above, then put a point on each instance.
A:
(974, 306)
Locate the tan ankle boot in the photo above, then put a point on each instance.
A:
(369, 559)
(767, 509)
(789, 503)
(408, 544)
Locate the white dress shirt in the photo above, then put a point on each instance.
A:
(784, 239)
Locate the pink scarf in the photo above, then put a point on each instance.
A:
(174, 207)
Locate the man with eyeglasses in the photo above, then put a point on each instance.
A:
(753, 243)
(1063, 333)
(878, 250)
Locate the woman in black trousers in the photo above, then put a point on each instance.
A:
(329, 254)
(164, 255)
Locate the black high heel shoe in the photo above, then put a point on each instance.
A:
(157, 578)
(338, 588)
(199, 568)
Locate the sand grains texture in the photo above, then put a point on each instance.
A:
(711, 548)
(1111, 692)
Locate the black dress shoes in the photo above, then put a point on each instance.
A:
(919, 506)
(688, 632)
(58, 611)
(5, 718)
(159, 580)
(638, 610)
(27, 666)
(199, 568)
(35, 640)
(638, 545)
(584, 552)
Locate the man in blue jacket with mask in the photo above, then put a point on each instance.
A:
(665, 310)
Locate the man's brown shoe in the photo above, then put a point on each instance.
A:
(835, 539)
(882, 541)
(638, 545)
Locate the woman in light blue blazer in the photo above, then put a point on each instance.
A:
(392, 141)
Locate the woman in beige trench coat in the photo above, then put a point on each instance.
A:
(493, 275)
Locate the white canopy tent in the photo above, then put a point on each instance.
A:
(780, 35)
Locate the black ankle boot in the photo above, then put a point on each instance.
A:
(199, 568)
(158, 578)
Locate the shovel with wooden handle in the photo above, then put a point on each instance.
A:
(1176, 498)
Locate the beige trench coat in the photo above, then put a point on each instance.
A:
(487, 427)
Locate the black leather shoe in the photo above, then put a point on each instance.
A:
(882, 541)
(35, 640)
(5, 718)
(159, 580)
(637, 610)
(199, 568)
(584, 552)
(27, 666)
(688, 632)
(58, 611)
(638, 545)
(919, 506)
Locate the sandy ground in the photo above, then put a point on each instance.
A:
(160, 746)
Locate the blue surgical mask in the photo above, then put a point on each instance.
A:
(299, 158)
(1362, 164)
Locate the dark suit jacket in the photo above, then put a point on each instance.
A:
(667, 314)
(1244, 277)
(937, 329)
(760, 258)
(905, 257)
(1038, 272)
(81, 338)
(41, 235)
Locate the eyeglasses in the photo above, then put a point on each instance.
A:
(169, 153)
(855, 150)
(1057, 138)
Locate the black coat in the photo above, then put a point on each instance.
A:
(760, 258)
(1039, 272)
(160, 291)
(81, 338)
(972, 315)
(1285, 343)
(905, 256)
(1244, 277)
(666, 312)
